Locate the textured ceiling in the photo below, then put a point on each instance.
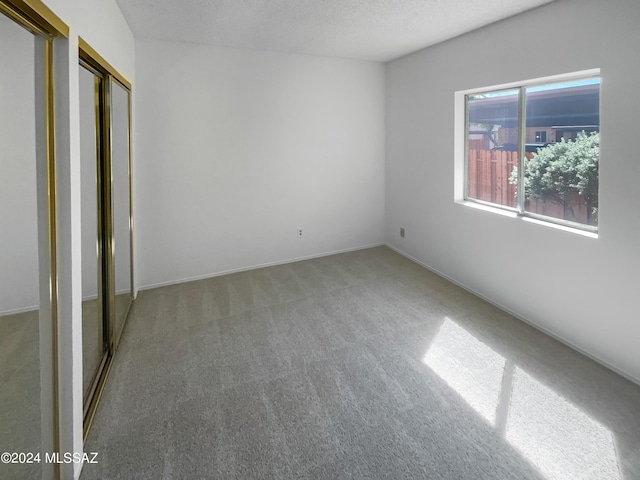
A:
(378, 30)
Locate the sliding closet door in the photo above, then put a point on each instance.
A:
(94, 345)
(19, 272)
(121, 202)
(28, 355)
(106, 219)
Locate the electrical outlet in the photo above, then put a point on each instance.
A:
(299, 232)
(402, 232)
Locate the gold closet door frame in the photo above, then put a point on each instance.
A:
(42, 22)
(95, 63)
(35, 16)
(98, 96)
(101, 99)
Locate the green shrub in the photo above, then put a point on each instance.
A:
(563, 168)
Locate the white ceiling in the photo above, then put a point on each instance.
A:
(378, 30)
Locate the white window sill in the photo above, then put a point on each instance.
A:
(524, 218)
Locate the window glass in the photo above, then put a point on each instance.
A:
(558, 138)
(492, 146)
(561, 171)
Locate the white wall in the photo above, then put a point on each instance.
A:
(580, 289)
(18, 210)
(236, 149)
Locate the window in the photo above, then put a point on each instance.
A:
(541, 136)
(534, 149)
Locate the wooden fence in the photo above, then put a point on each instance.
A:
(488, 176)
(488, 180)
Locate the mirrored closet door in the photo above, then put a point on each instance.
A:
(106, 219)
(19, 270)
(28, 287)
(121, 204)
(94, 332)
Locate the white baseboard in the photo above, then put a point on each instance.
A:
(19, 310)
(254, 267)
(533, 324)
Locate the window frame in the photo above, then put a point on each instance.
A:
(521, 87)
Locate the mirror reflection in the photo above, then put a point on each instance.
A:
(19, 269)
(93, 345)
(121, 201)
(106, 231)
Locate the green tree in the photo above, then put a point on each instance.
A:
(563, 168)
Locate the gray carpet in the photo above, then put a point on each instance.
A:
(19, 391)
(359, 365)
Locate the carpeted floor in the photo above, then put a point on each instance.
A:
(358, 365)
(19, 391)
